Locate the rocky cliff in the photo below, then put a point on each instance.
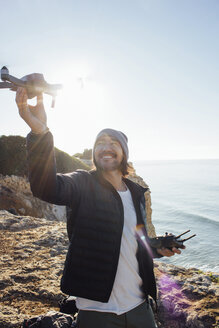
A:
(33, 248)
(150, 227)
(32, 255)
(16, 197)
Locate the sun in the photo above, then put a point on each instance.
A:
(81, 89)
(81, 105)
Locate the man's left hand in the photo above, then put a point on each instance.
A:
(167, 252)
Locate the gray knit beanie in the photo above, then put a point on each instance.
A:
(118, 135)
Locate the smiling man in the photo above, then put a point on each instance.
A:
(106, 268)
(108, 153)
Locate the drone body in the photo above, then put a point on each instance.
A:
(35, 84)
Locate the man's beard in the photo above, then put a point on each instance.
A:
(107, 166)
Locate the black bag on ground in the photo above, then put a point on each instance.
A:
(68, 306)
(51, 319)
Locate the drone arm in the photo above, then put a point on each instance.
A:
(35, 84)
(5, 85)
(15, 81)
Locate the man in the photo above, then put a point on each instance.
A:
(106, 268)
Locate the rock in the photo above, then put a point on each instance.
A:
(10, 317)
(150, 227)
(186, 298)
(17, 198)
(30, 277)
(32, 256)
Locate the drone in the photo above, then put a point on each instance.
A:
(34, 87)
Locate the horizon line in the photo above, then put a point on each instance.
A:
(175, 159)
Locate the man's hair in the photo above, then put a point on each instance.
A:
(125, 167)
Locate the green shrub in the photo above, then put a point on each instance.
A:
(13, 158)
(214, 278)
(87, 154)
(66, 163)
(13, 155)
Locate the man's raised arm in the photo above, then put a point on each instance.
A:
(45, 183)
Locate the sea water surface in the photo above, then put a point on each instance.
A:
(185, 195)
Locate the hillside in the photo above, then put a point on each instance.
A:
(13, 158)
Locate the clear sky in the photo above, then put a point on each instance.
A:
(149, 68)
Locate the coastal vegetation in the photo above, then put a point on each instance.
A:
(87, 154)
(13, 158)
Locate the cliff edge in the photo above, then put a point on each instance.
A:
(33, 248)
(32, 256)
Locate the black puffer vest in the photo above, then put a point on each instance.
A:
(95, 231)
(95, 226)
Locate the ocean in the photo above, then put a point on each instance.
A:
(185, 195)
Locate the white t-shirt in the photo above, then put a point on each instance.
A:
(126, 293)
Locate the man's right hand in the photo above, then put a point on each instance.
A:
(34, 116)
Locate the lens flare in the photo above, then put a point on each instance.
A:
(172, 298)
(141, 236)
